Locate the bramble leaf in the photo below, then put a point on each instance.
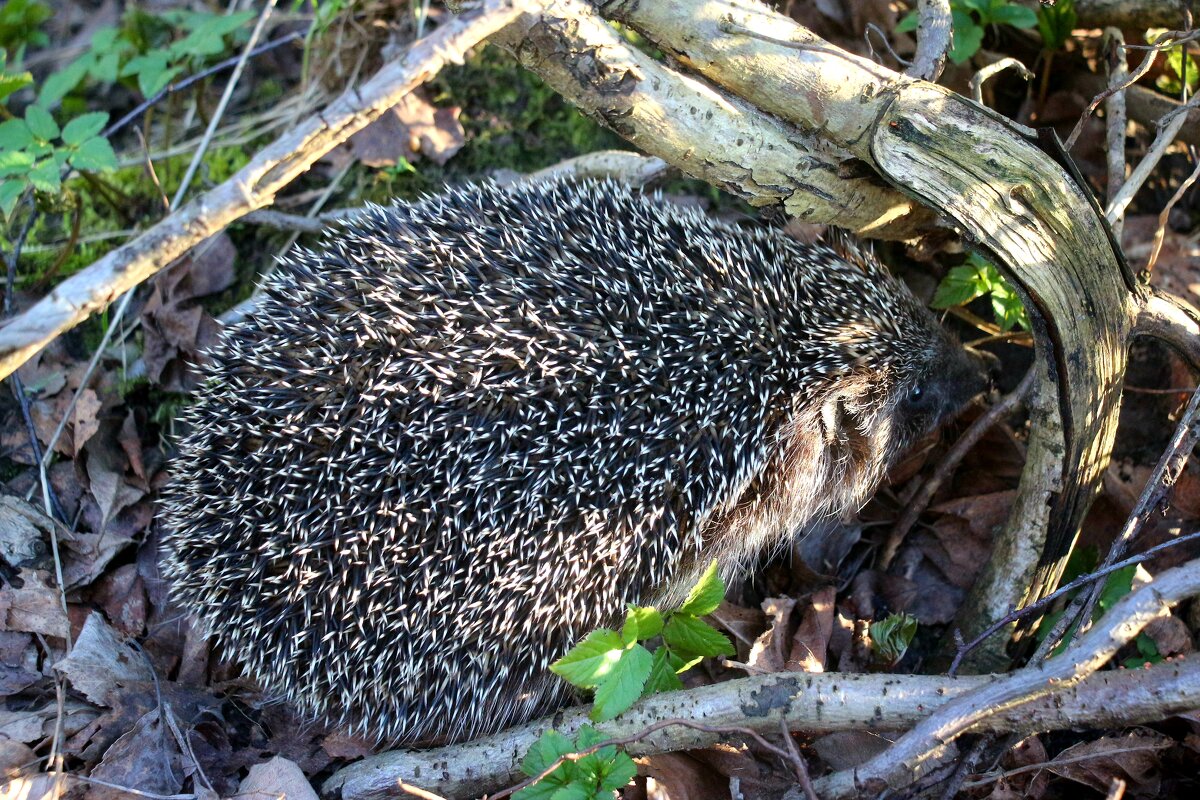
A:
(706, 595)
(587, 663)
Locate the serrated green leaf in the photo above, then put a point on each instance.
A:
(967, 37)
(96, 155)
(15, 162)
(40, 123)
(618, 772)
(960, 286)
(590, 661)
(15, 135)
(10, 193)
(663, 677)
(693, 638)
(642, 622)
(84, 127)
(890, 637)
(59, 84)
(45, 177)
(549, 747)
(623, 685)
(1014, 15)
(13, 82)
(573, 791)
(706, 595)
(908, 22)
(542, 790)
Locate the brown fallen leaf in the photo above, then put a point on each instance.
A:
(411, 127)
(35, 607)
(1133, 758)
(810, 643)
(277, 778)
(146, 758)
(100, 663)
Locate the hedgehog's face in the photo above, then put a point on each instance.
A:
(937, 389)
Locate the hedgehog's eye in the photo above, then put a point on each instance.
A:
(915, 394)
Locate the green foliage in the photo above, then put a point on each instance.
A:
(147, 51)
(1180, 68)
(34, 151)
(593, 777)
(20, 26)
(1056, 22)
(969, 19)
(620, 670)
(1116, 585)
(977, 278)
(890, 637)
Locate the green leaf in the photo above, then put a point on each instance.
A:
(623, 685)
(1056, 22)
(550, 747)
(573, 791)
(152, 72)
(618, 772)
(61, 83)
(1016, 16)
(662, 676)
(967, 38)
(908, 22)
(542, 790)
(15, 162)
(590, 661)
(641, 623)
(706, 595)
(95, 155)
(84, 127)
(692, 638)
(10, 193)
(13, 82)
(15, 135)
(40, 123)
(891, 637)
(960, 286)
(1116, 586)
(207, 35)
(45, 176)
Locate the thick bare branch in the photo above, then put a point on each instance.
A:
(804, 701)
(909, 757)
(253, 187)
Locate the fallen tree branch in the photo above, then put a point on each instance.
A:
(810, 702)
(910, 756)
(254, 186)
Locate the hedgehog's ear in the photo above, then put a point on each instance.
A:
(855, 251)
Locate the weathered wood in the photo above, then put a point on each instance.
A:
(1000, 190)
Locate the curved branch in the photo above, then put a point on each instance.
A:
(933, 39)
(1173, 320)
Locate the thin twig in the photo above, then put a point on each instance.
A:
(1169, 127)
(188, 82)
(933, 39)
(1118, 73)
(798, 763)
(1048, 600)
(1164, 216)
(991, 70)
(1168, 469)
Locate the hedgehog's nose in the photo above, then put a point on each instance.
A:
(987, 365)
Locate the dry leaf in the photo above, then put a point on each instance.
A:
(145, 758)
(100, 662)
(848, 749)
(1133, 758)
(413, 126)
(810, 644)
(277, 778)
(35, 607)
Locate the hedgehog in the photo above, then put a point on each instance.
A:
(458, 434)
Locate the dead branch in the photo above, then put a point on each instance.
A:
(933, 39)
(253, 187)
(908, 758)
(810, 702)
